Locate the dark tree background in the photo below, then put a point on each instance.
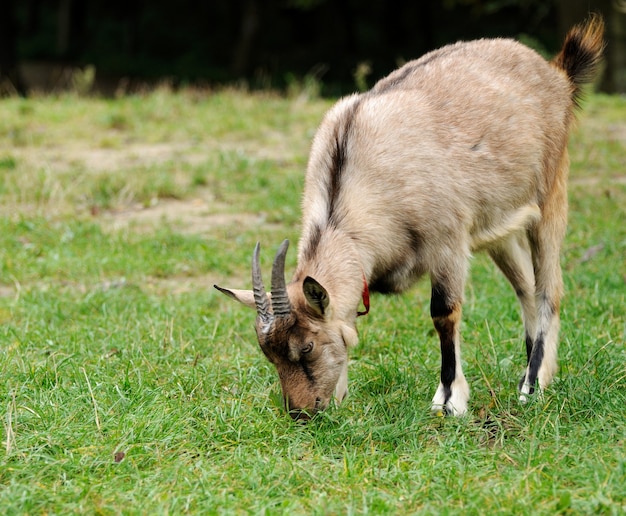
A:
(268, 42)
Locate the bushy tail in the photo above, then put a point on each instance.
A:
(581, 53)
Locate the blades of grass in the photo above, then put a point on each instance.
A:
(93, 401)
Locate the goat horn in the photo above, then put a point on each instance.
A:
(280, 301)
(260, 296)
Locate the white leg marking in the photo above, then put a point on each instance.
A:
(457, 403)
(525, 390)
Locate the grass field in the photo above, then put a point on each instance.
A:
(130, 386)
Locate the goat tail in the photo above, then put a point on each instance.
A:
(581, 53)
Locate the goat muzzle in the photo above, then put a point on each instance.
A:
(302, 414)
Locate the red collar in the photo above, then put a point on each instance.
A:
(366, 298)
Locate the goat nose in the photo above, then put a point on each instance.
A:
(301, 414)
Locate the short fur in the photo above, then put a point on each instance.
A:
(464, 149)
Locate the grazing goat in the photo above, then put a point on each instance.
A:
(464, 149)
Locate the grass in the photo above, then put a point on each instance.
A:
(131, 386)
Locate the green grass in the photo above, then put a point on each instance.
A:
(131, 386)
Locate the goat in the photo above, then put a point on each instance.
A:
(464, 149)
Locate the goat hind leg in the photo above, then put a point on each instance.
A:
(542, 362)
(545, 239)
(513, 258)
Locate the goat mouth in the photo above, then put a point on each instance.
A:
(301, 416)
(304, 415)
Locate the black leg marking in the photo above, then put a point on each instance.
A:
(445, 328)
(529, 348)
(534, 363)
(438, 303)
(536, 358)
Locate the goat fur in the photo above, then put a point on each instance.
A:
(464, 149)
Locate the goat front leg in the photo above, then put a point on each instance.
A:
(445, 309)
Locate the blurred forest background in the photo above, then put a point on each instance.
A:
(114, 46)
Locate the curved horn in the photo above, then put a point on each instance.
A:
(260, 297)
(280, 301)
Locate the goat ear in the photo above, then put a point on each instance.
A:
(316, 295)
(245, 297)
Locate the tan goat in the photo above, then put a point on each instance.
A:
(461, 150)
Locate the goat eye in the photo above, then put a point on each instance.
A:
(308, 347)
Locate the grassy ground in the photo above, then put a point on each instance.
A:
(130, 386)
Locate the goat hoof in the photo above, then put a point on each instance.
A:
(439, 410)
